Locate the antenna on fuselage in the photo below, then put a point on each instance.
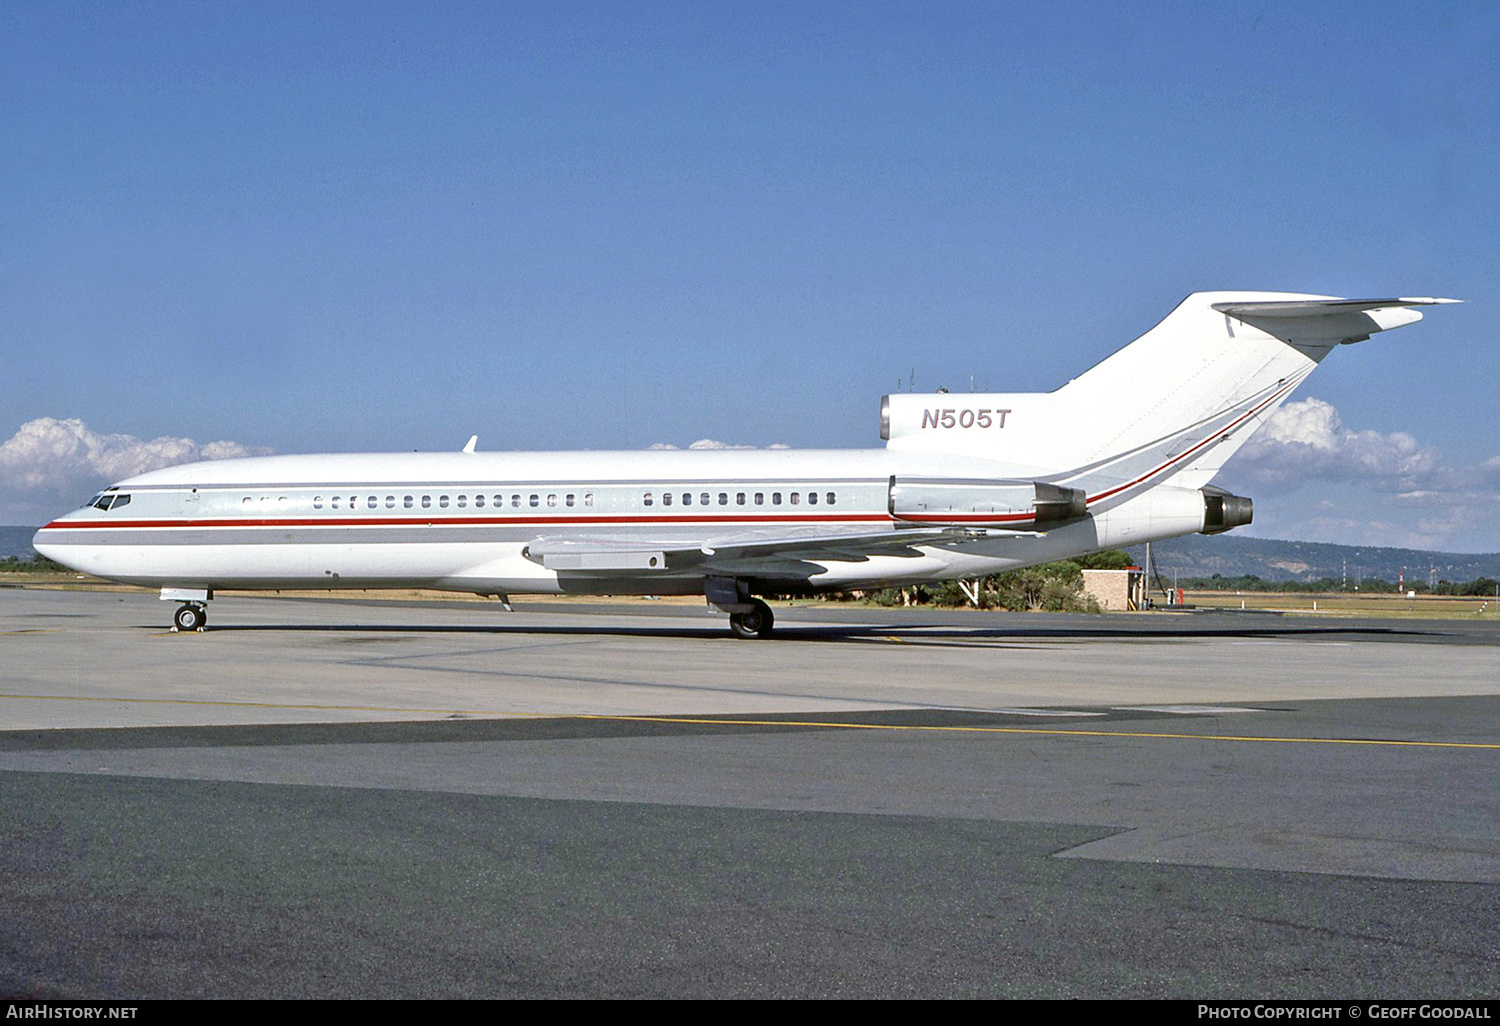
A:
(473, 441)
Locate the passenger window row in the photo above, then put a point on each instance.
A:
(740, 498)
(443, 501)
(519, 500)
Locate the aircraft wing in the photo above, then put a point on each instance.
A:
(738, 550)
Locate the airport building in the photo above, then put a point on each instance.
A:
(1116, 590)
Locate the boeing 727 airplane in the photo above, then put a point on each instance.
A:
(966, 485)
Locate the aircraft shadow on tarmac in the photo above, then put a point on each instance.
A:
(859, 632)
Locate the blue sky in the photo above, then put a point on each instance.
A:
(317, 226)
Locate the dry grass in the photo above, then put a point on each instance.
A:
(1423, 607)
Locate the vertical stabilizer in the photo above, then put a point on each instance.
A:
(1176, 402)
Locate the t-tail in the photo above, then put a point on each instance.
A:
(1171, 407)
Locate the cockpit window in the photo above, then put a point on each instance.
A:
(121, 500)
(109, 500)
(95, 501)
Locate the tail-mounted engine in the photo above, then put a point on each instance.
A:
(1162, 511)
(922, 500)
(1223, 511)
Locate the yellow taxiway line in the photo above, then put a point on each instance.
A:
(736, 722)
(1052, 732)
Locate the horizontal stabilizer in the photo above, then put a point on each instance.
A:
(1316, 321)
(1316, 307)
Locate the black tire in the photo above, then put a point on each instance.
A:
(190, 618)
(755, 624)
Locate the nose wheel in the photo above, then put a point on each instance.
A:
(755, 624)
(190, 618)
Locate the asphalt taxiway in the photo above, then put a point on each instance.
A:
(378, 799)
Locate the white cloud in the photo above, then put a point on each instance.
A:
(714, 443)
(1307, 440)
(1488, 472)
(50, 463)
(1322, 481)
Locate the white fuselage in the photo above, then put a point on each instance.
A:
(461, 521)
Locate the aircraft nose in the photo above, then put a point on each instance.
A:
(46, 542)
(40, 543)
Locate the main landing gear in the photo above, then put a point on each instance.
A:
(749, 617)
(756, 623)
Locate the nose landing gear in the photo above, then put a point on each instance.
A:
(193, 613)
(190, 618)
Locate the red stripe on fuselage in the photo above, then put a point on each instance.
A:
(68, 525)
(1184, 455)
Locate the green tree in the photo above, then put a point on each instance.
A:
(1105, 559)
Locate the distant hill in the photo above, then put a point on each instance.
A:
(16, 541)
(1199, 555)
